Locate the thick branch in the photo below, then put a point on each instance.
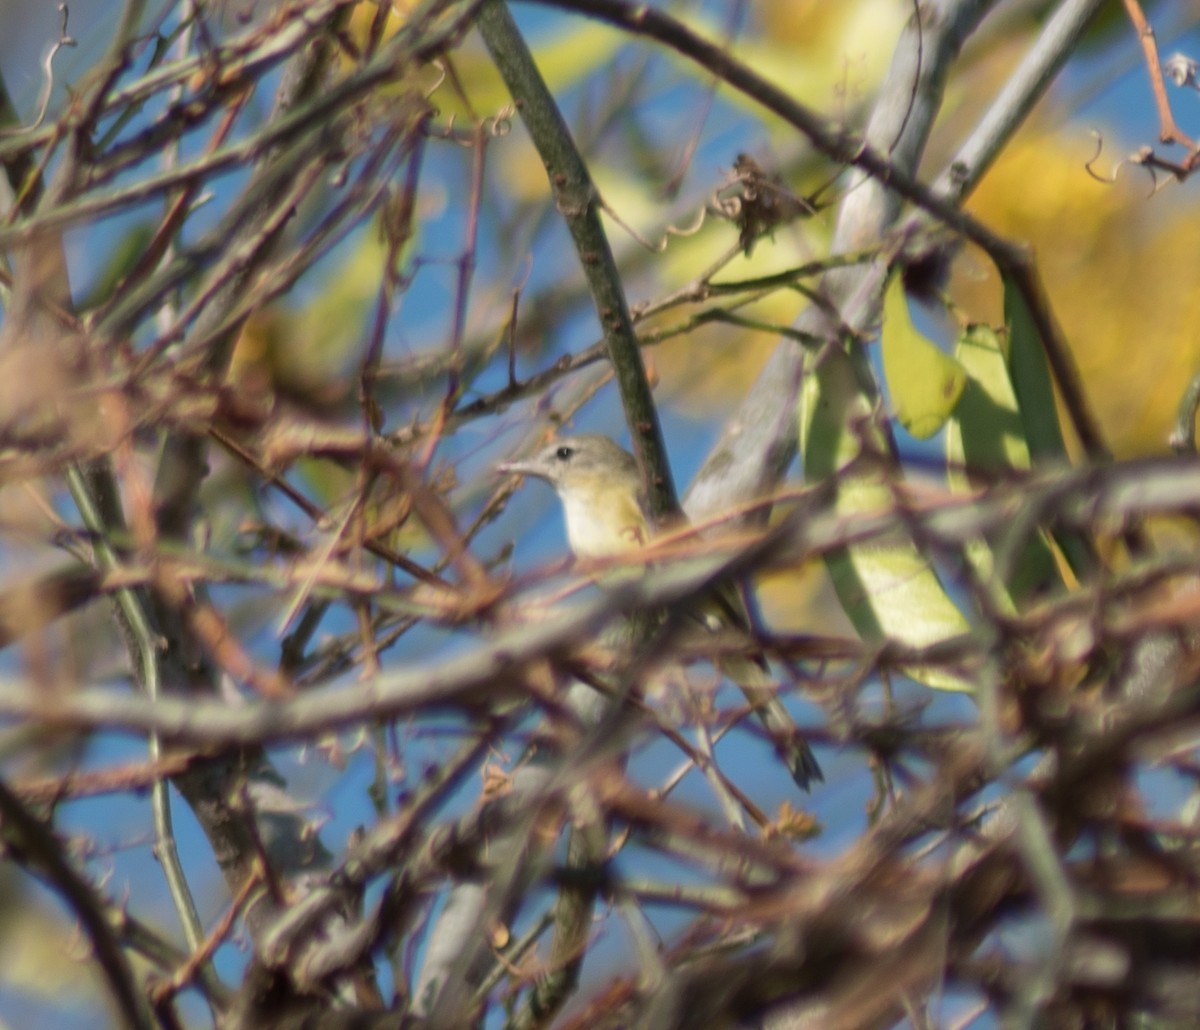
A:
(578, 202)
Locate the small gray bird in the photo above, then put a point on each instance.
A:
(600, 489)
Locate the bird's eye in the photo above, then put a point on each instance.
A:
(564, 453)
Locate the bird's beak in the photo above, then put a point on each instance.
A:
(517, 468)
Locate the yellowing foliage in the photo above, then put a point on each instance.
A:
(845, 48)
(1120, 268)
(925, 383)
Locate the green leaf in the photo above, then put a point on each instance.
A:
(1031, 379)
(986, 435)
(925, 383)
(1034, 391)
(986, 438)
(888, 588)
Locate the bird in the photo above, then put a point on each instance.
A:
(600, 489)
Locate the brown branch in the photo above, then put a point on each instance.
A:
(35, 844)
(131, 777)
(1169, 131)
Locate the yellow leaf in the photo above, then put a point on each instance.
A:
(986, 435)
(1120, 270)
(924, 382)
(887, 587)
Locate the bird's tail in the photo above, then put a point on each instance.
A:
(754, 681)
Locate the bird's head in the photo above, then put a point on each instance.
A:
(600, 488)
